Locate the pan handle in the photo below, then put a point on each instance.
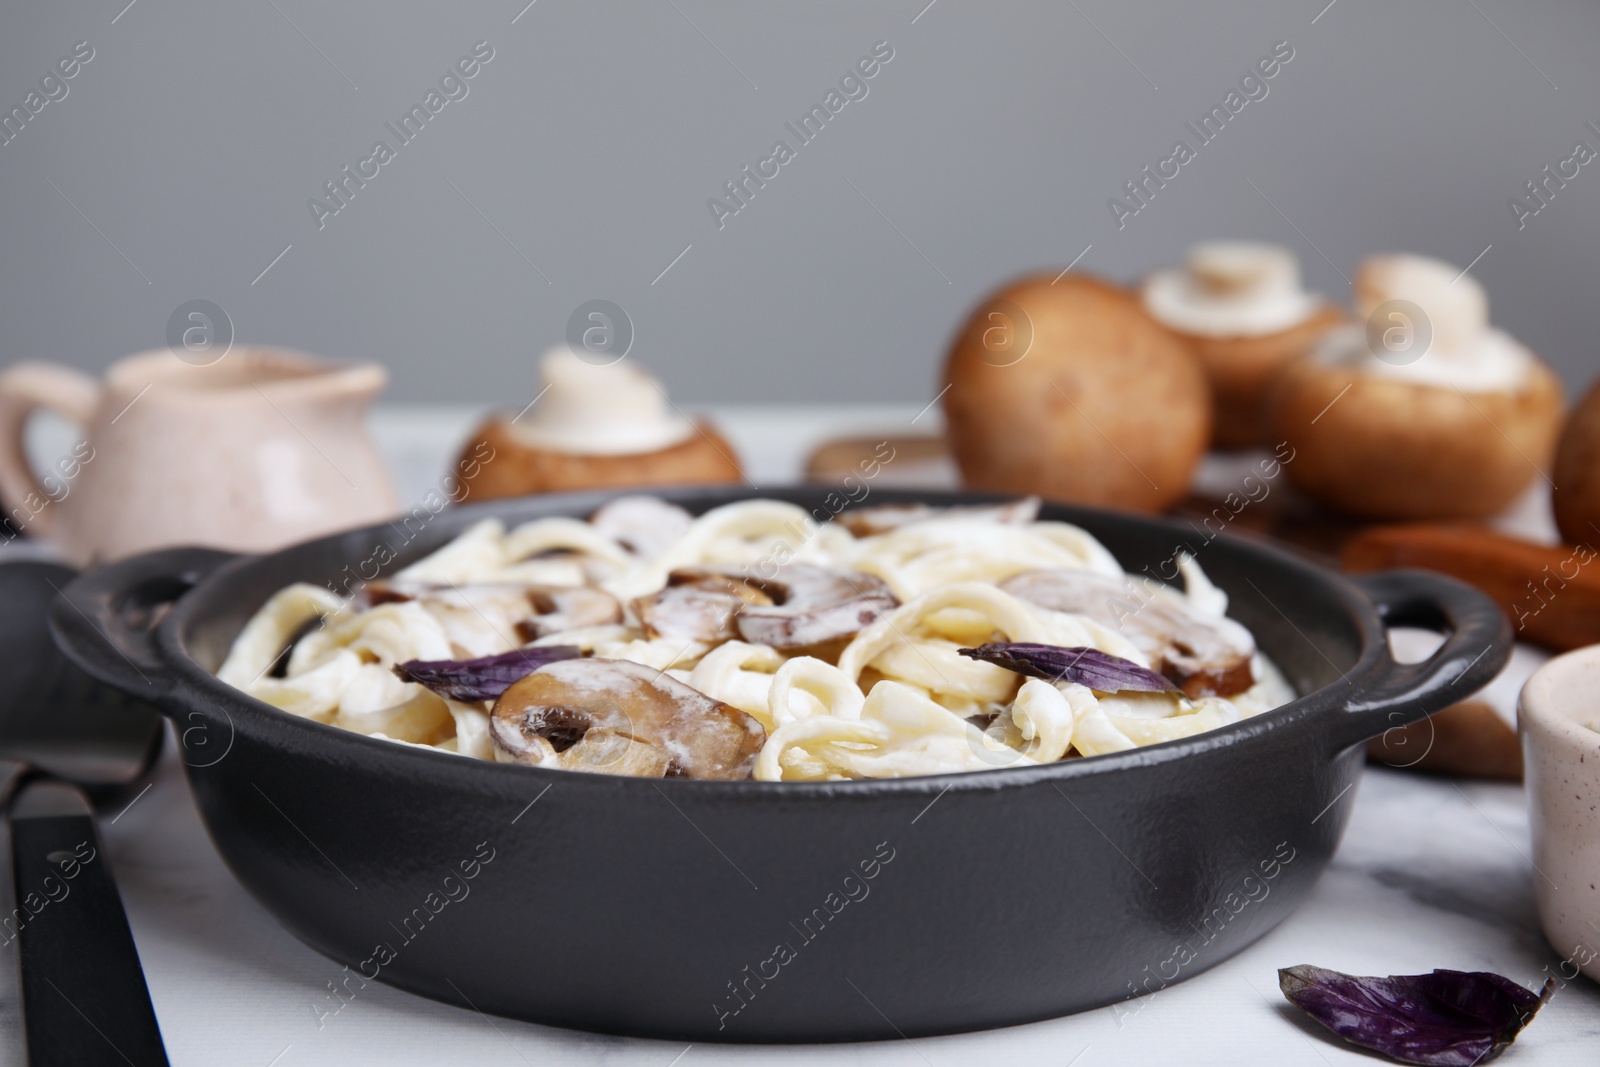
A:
(1476, 646)
(105, 620)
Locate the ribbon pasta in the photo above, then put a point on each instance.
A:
(893, 699)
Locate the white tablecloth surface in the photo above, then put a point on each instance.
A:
(1432, 873)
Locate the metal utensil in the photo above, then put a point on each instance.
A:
(84, 997)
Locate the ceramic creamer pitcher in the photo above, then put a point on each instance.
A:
(258, 450)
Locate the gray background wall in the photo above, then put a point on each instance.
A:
(591, 142)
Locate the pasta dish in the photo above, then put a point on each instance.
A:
(754, 641)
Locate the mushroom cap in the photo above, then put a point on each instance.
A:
(1385, 448)
(1104, 406)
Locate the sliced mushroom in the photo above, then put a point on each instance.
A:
(644, 525)
(558, 608)
(562, 705)
(698, 605)
(1204, 655)
(812, 606)
(482, 618)
(602, 751)
(607, 751)
(866, 522)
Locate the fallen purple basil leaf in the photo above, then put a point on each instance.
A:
(1442, 1019)
(471, 680)
(1090, 667)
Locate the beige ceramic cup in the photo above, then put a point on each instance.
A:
(1559, 719)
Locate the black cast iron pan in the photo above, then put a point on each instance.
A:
(755, 911)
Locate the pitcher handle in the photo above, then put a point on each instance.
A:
(25, 388)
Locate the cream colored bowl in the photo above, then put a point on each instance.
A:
(1559, 719)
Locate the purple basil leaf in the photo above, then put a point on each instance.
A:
(1098, 670)
(1444, 1019)
(469, 680)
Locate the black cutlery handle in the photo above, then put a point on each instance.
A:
(84, 997)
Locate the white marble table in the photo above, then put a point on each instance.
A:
(1431, 874)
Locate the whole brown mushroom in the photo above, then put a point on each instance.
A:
(1069, 389)
(1240, 306)
(1577, 473)
(1456, 427)
(503, 464)
(593, 426)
